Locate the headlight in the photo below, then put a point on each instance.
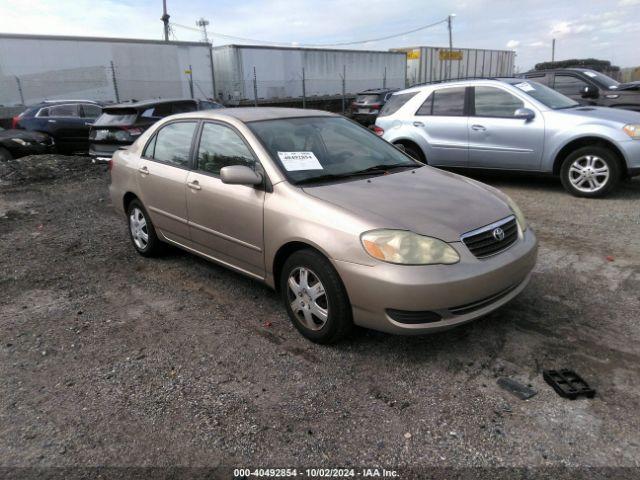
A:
(517, 212)
(20, 141)
(408, 248)
(633, 130)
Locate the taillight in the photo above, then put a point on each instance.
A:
(15, 120)
(375, 105)
(377, 130)
(110, 164)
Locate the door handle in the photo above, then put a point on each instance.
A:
(195, 185)
(144, 170)
(51, 121)
(478, 128)
(418, 124)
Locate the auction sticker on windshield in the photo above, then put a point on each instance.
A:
(525, 87)
(295, 161)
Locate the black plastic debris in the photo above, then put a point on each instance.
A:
(568, 383)
(516, 388)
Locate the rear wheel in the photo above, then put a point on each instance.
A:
(590, 171)
(413, 151)
(315, 298)
(5, 154)
(141, 230)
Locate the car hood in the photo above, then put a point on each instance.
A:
(605, 113)
(24, 135)
(429, 202)
(627, 86)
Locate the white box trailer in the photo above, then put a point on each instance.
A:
(429, 64)
(278, 72)
(45, 67)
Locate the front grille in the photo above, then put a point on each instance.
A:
(486, 241)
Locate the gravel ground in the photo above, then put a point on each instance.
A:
(108, 358)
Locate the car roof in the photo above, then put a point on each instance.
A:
(252, 114)
(373, 91)
(462, 82)
(150, 103)
(45, 103)
(565, 69)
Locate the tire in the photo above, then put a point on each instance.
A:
(5, 154)
(308, 318)
(414, 152)
(152, 246)
(588, 161)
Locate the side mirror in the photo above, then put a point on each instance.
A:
(524, 114)
(240, 175)
(589, 91)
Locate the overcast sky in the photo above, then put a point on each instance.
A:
(587, 28)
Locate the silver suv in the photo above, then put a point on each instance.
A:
(515, 124)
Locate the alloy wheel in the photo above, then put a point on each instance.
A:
(138, 227)
(589, 173)
(308, 298)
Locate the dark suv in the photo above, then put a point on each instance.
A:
(367, 104)
(120, 125)
(589, 87)
(67, 121)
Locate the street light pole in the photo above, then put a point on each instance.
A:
(165, 20)
(203, 23)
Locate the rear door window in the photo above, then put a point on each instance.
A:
(68, 110)
(448, 102)
(495, 102)
(172, 144)
(395, 103)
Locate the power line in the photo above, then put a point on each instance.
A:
(339, 44)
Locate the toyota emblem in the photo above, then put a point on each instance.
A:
(498, 234)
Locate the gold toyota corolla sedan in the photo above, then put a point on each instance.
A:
(349, 229)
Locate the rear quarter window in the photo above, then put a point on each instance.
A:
(395, 103)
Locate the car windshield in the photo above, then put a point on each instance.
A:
(545, 95)
(603, 80)
(315, 149)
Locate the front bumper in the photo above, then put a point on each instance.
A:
(631, 150)
(457, 293)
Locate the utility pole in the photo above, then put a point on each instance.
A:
(203, 23)
(553, 50)
(165, 20)
(449, 18)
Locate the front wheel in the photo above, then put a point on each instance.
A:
(590, 172)
(315, 297)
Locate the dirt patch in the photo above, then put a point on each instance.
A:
(108, 358)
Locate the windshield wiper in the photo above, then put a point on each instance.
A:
(367, 171)
(381, 168)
